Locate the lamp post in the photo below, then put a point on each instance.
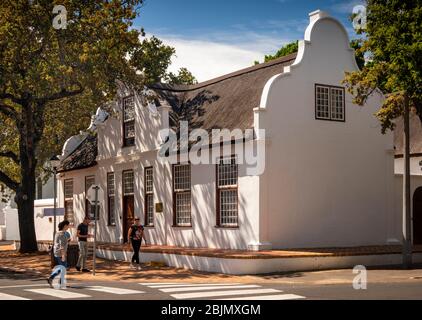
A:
(54, 161)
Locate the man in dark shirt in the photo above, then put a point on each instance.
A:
(83, 244)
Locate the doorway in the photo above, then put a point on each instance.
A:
(417, 217)
(128, 215)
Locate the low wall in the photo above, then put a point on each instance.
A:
(260, 266)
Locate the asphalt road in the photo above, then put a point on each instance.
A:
(15, 287)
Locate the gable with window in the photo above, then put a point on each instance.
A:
(128, 121)
(227, 193)
(182, 195)
(330, 103)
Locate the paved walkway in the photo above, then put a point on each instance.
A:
(38, 264)
(269, 254)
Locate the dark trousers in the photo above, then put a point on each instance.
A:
(136, 245)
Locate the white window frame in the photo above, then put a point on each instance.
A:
(184, 191)
(125, 192)
(224, 188)
(149, 197)
(128, 122)
(336, 103)
(111, 194)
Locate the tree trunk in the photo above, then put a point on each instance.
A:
(30, 134)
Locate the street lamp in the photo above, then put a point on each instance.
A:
(54, 162)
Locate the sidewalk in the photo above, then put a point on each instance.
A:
(38, 265)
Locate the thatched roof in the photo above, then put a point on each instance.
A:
(82, 157)
(226, 102)
(222, 103)
(415, 136)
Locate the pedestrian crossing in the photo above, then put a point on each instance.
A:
(145, 291)
(84, 292)
(232, 291)
(61, 294)
(5, 296)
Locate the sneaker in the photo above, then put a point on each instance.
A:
(138, 267)
(86, 270)
(78, 268)
(50, 282)
(132, 266)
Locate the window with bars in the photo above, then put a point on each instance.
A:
(329, 103)
(227, 193)
(89, 209)
(111, 199)
(68, 201)
(128, 183)
(68, 189)
(149, 197)
(182, 195)
(129, 121)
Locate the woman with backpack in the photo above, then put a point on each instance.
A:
(136, 234)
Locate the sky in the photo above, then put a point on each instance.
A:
(213, 38)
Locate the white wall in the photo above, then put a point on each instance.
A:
(2, 205)
(203, 232)
(12, 224)
(44, 226)
(330, 183)
(415, 166)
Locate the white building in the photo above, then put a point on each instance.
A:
(9, 220)
(329, 173)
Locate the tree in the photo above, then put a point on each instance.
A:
(154, 58)
(49, 64)
(184, 76)
(393, 43)
(52, 81)
(283, 51)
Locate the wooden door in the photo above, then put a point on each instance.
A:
(417, 217)
(128, 215)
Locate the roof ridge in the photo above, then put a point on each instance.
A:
(184, 88)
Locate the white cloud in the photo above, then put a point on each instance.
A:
(211, 58)
(347, 6)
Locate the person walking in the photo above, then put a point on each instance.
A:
(60, 253)
(136, 234)
(83, 244)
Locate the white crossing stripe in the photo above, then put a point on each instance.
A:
(114, 290)
(272, 297)
(5, 296)
(168, 290)
(25, 286)
(194, 295)
(62, 294)
(192, 285)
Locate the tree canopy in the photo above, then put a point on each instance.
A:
(57, 65)
(285, 50)
(392, 40)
